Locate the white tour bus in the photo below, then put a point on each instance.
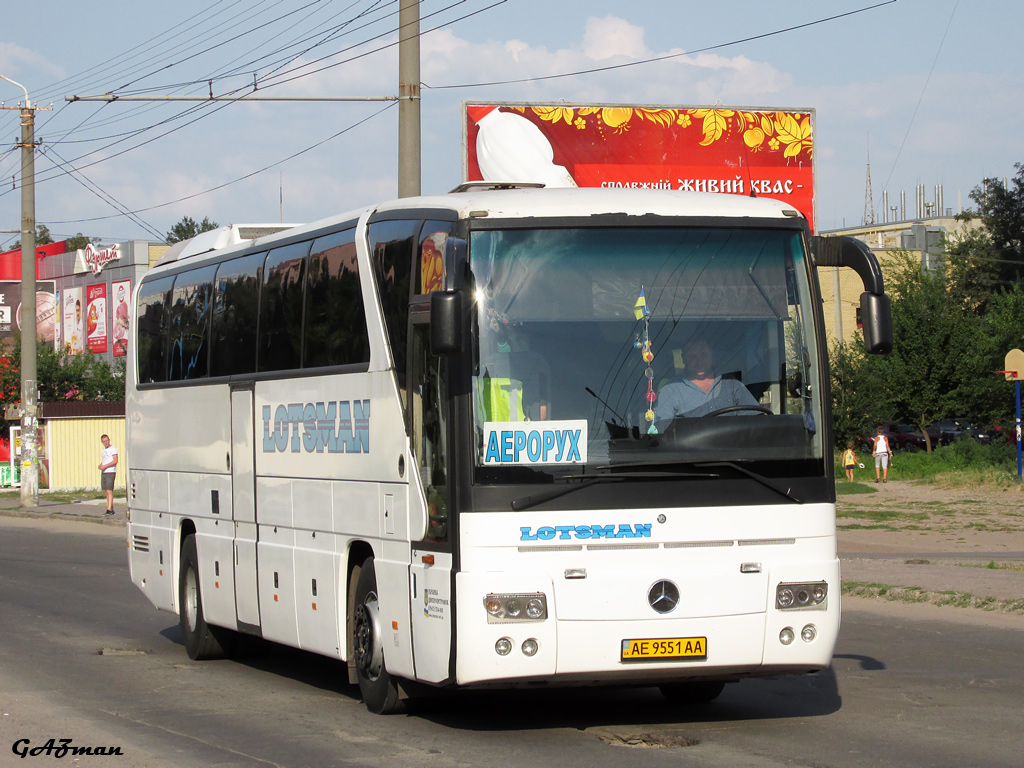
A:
(498, 437)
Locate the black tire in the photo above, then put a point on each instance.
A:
(379, 689)
(695, 692)
(202, 641)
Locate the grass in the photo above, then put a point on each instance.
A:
(963, 464)
(920, 595)
(992, 565)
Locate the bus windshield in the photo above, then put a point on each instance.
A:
(599, 349)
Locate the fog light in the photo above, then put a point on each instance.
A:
(786, 636)
(530, 647)
(503, 647)
(808, 633)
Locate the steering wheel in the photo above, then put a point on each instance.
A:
(737, 408)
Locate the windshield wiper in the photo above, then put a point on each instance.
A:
(766, 482)
(525, 502)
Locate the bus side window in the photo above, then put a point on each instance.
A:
(335, 325)
(280, 335)
(151, 329)
(391, 251)
(190, 324)
(236, 315)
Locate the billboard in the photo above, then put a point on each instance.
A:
(96, 318)
(10, 310)
(767, 152)
(73, 317)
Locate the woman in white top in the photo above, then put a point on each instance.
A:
(883, 452)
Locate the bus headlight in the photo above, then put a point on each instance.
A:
(503, 609)
(802, 596)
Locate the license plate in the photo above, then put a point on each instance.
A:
(665, 649)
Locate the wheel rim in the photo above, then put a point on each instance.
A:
(191, 606)
(368, 652)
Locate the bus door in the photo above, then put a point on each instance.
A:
(431, 566)
(243, 503)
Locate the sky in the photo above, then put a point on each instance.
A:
(929, 91)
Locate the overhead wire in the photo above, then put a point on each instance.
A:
(108, 198)
(666, 57)
(246, 176)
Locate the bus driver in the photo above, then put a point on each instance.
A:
(702, 391)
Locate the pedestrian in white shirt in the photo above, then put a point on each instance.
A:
(108, 471)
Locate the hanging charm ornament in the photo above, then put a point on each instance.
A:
(643, 312)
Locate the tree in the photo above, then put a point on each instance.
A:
(79, 241)
(42, 237)
(61, 377)
(187, 228)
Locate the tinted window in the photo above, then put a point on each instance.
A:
(236, 302)
(280, 344)
(335, 324)
(391, 249)
(191, 309)
(151, 346)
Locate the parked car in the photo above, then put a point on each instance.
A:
(945, 431)
(901, 437)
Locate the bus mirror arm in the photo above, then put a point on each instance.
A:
(445, 323)
(875, 307)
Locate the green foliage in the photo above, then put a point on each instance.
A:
(61, 377)
(188, 228)
(79, 241)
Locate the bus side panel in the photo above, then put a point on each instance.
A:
(275, 558)
(149, 558)
(316, 592)
(182, 429)
(391, 565)
(216, 575)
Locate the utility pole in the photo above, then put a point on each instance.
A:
(409, 98)
(29, 385)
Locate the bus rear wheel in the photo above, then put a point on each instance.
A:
(202, 641)
(379, 689)
(694, 692)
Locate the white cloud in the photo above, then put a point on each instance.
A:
(609, 37)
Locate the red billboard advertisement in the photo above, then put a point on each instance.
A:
(96, 318)
(120, 296)
(769, 152)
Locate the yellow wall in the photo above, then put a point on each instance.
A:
(73, 448)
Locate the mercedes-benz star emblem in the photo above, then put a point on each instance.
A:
(663, 596)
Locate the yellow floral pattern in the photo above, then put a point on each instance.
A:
(792, 133)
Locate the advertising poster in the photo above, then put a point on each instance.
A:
(731, 151)
(10, 310)
(121, 296)
(73, 320)
(96, 318)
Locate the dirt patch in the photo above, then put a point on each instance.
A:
(910, 517)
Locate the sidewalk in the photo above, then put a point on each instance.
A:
(87, 510)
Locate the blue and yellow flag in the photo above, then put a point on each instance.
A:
(640, 309)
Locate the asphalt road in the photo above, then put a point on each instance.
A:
(83, 656)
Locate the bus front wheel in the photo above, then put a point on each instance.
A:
(379, 689)
(202, 641)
